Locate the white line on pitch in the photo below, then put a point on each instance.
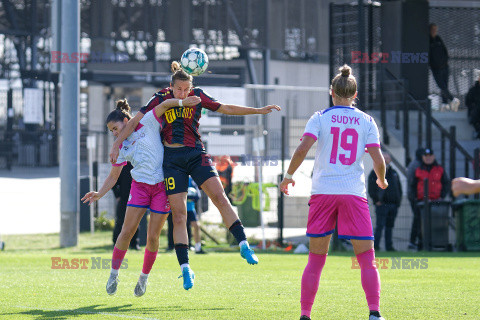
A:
(89, 312)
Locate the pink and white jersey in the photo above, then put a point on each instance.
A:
(343, 133)
(144, 150)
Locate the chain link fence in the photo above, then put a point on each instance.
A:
(459, 29)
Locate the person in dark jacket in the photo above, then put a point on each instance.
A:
(121, 190)
(386, 203)
(438, 188)
(438, 61)
(472, 101)
(411, 168)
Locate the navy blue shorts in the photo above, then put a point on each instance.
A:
(192, 216)
(179, 163)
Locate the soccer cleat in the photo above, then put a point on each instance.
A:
(248, 254)
(141, 286)
(375, 315)
(201, 251)
(304, 318)
(188, 277)
(112, 284)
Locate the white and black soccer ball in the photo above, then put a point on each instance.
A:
(194, 61)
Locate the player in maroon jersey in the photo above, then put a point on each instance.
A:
(185, 156)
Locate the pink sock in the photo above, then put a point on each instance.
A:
(148, 260)
(310, 280)
(117, 257)
(370, 279)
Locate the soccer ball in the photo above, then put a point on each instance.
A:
(194, 61)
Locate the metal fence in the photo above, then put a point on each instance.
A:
(26, 140)
(459, 29)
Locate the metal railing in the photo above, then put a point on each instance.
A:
(426, 122)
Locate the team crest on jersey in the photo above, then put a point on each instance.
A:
(178, 112)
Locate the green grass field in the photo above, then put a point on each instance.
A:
(225, 286)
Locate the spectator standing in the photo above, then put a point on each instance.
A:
(438, 188)
(438, 60)
(386, 203)
(411, 168)
(472, 101)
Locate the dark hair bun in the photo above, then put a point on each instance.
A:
(123, 105)
(345, 70)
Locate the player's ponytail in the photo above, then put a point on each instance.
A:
(179, 73)
(344, 85)
(122, 111)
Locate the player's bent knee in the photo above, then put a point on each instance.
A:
(220, 199)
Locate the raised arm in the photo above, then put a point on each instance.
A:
(297, 159)
(131, 125)
(378, 166)
(235, 110)
(108, 184)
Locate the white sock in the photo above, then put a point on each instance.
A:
(143, 275)
(114, 271)
(242, 242)
(198, 246)
(183, 266)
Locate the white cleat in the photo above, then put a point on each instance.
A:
(372, 317)
(112, 284)
(141, 286)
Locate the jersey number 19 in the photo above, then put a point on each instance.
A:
(348, 142)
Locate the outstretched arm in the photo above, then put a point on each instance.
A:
(235, 110)
(112, 178)
(465, 186)
(297, 159)
(378, 166)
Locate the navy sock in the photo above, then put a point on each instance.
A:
(182, 253)
(238, 231)
(375, 313)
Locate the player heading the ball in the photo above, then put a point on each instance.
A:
(185, 156)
